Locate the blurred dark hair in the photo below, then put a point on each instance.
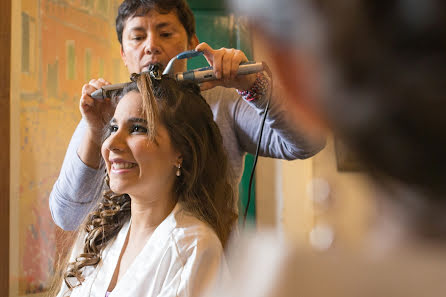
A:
(388, 101)
(130, 8)
(390, 58)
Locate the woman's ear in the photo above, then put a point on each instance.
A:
(178, 165)
(179, 160)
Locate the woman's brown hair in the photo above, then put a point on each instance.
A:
(204, 188)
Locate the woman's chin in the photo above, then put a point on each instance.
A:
(118, 189)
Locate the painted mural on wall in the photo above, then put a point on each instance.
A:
(65, 43)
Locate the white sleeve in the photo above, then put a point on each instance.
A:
(203, 266)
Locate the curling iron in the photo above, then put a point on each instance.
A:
(196, 75)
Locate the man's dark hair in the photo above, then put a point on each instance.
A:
(130, 8)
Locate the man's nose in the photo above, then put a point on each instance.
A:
(152, 46)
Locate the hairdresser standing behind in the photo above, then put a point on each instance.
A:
(154, 31)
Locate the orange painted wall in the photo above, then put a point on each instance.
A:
(49, 112)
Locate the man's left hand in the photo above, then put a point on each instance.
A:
(225, 62)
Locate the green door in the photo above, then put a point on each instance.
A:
(219, 28)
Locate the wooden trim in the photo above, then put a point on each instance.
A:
(5, 80)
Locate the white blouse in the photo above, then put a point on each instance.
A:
(183, 257)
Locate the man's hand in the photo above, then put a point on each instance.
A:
(97, 113)
(225, 63)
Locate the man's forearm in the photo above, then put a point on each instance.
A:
(89, 150)
(78, 186)
(280, 138)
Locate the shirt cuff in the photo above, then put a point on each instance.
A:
(258, 89)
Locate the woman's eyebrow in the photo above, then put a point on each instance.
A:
(137, 120)
(131, 120)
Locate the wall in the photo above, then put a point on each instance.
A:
(58, 45)
(287, 200)
(5, 52)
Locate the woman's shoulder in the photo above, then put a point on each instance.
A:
(193, 235)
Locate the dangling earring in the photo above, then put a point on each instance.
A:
(178, 170)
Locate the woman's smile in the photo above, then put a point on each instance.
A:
(122, 166)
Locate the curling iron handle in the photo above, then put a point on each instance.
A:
(104, 92)
(207, 73)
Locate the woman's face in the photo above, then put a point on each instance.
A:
(136, 165)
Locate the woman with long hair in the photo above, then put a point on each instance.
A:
(167, 213)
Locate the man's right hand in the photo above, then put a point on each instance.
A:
(97, 113)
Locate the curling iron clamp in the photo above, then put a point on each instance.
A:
(197, 75)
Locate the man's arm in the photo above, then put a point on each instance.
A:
(81, 178)
(239, 122)
(281, 138)
(78, 186)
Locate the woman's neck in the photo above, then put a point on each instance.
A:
(148, 215)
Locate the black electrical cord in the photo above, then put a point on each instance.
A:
(268, 71)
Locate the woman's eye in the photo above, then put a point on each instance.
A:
(139, 129)
(166, 34)
(113, 128)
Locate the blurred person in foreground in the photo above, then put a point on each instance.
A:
(375, 73)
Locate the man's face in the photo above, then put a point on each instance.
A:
(154, 38)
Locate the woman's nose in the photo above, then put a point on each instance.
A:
(116, 142)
